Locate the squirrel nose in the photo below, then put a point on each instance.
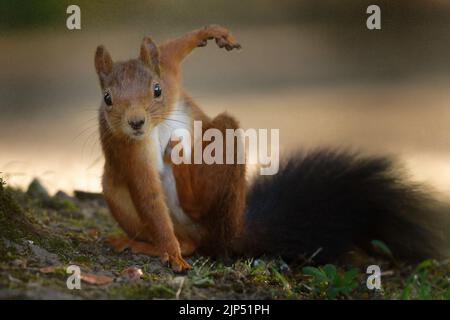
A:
(136, 124)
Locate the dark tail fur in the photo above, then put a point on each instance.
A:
(337, 201)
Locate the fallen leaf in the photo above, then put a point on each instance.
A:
(95, 279)
(132, 273)
(47, 269)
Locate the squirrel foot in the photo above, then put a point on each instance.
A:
(122, 242)
(223, 37)
(177, 263)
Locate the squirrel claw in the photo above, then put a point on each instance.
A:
(203, 43)
(236, 46)
(227, 44)
(222, 36)
(177, 263)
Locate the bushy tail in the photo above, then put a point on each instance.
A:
(336, 201)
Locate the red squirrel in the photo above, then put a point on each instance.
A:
(162, 208)
(326, 200)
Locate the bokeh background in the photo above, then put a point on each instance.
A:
(310, 68)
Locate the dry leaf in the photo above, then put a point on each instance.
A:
(132, 273)
(47, 269)
(95, 279)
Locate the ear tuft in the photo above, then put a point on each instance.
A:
(150, 54)
(103, 63)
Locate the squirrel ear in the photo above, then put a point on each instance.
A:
(150, 54)
(103, 63)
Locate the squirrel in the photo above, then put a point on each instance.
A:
(326, 200)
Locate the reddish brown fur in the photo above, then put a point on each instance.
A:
(212, 195)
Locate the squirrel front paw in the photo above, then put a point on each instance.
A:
(223, 37)
(176, 261)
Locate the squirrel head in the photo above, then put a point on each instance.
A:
(135, 96)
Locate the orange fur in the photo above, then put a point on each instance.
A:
(212, 196)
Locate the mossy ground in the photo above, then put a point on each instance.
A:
(59, 232)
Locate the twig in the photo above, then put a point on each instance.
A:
(177, 295)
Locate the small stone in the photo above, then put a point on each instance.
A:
(90, 196)
(257, 262)
(62, 196)
(43, 255)
(285, 269)
(37, 190)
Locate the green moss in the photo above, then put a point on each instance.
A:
(14, 224)
(120, 264)
(83, 259)
(57, 244)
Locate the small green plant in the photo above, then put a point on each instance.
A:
(328, 281)
(381, 247)
(426, 283)
(201, 274)
(281, 279)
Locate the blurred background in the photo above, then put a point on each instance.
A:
(310, 68)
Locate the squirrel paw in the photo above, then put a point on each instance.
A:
(177, 263)
(223, 38)
(119, 243)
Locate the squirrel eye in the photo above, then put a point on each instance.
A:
(157, 91)
(108, 99)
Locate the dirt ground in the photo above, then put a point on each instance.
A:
(42, 235)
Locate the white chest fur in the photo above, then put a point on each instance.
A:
(161, 135)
